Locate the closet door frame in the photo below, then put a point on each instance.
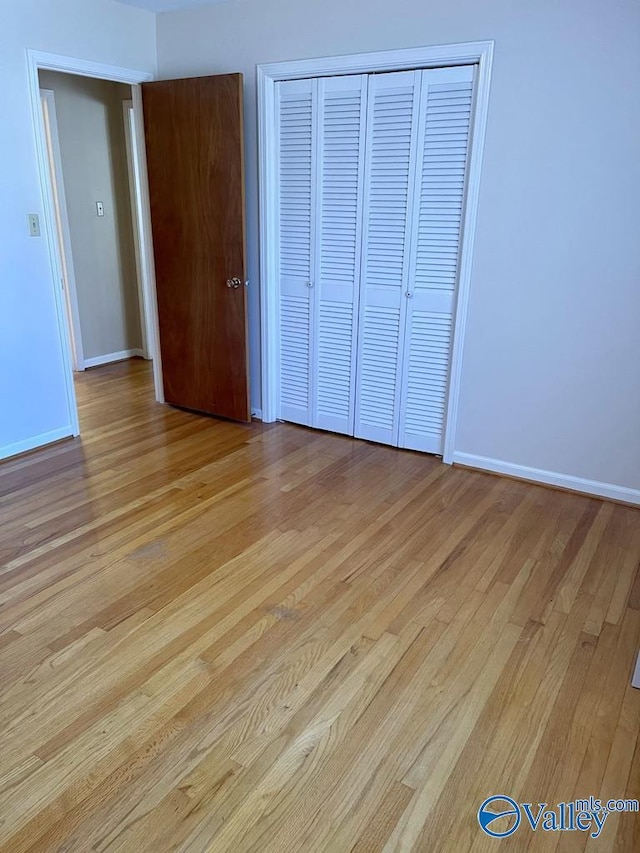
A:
(470, 53)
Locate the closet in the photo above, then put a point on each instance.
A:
(371, 196)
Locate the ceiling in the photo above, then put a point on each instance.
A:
(168, 5)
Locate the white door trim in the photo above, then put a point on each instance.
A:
(127, 121)
(137, 219)
(37, 60)
(62, 226)
(147, 261)
(480, 53)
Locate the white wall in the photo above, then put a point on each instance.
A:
(94, 165)
(33, 404)
(551, 375)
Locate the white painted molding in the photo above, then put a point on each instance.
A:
(128, 121)
(268, 242)
(59, 198)
(113, 356)
(471, 53)
(474, 170)
(37, 60)
(549, 478)
(461, 53)
(85, 68)
(36, 441)
(50, 234)
(257, 414)
(146, 239)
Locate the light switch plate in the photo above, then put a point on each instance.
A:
(34, 224)
(100, 208)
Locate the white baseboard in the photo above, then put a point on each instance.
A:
(257, 414)
(36, 441)
(549, 478)
(112, 356)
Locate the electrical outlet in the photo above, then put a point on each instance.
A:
(34, 224)
(100, 208)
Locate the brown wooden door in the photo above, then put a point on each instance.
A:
(194, 137)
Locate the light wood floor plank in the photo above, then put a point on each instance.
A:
(227, 637)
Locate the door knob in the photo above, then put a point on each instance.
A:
(234, 283)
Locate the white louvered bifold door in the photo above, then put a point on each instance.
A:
(297, 217)
(390, 167)
(443, 141)
(340, 158)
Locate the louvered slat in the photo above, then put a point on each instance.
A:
(342, 114)
(389, 178)
(294, 355)
(295, 181)
(377, 371)
(334, 364)
(445, 115)
(297, 216)
(427, 374)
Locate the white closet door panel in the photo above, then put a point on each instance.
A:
(341, 123)
(390, 165)
(380, 327)
(295, 332)
(296, 141)
(426, 379)
(445, 119)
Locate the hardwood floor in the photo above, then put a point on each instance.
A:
(241, 637)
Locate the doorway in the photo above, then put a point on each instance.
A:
(91, 177)
(96, 216)
(201, 258)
